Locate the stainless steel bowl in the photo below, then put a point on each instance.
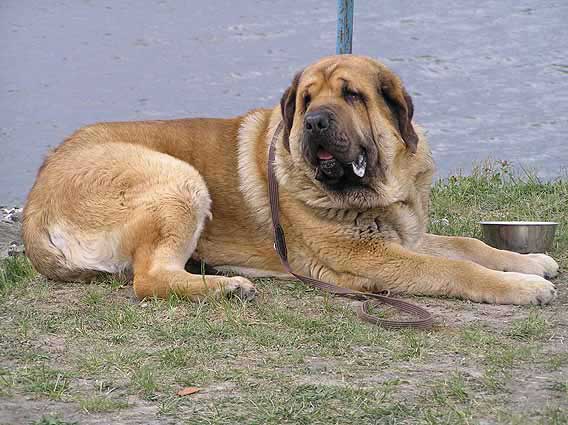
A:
(519, 236)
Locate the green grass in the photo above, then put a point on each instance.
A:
(293, 356)
(531, 327)
(14, 271)
(143, 379)
(44, 381)
(101, 403)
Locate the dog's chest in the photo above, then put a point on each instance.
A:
(398, 224)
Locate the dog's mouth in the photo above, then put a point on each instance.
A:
(332, 171)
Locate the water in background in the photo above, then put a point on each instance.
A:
(488, 78)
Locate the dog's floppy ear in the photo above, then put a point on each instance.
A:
(288, 109)
(400, 103)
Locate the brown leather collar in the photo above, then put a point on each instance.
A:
(423, 317)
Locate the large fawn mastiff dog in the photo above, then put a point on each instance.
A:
(354, 174)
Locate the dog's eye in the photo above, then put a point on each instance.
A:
(351, 96)
(307, 100)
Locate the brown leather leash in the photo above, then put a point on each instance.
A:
(423, 317)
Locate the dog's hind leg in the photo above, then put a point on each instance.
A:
(164, 236)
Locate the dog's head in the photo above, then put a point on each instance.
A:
(347, 119)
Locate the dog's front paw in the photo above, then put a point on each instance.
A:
(239, 287)
(545, 265)
(526, 289)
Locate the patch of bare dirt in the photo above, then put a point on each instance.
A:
(23, 410)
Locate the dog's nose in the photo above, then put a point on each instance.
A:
(317, 121)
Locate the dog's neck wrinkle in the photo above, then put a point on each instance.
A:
(340, 215)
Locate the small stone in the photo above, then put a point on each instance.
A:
(11, 215)
(15, 249)
(17, 215)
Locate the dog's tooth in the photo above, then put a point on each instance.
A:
(359, 166)
(360, 172)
